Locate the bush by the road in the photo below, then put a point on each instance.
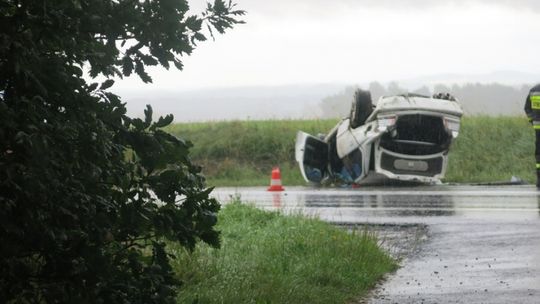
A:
(244, 152)
(79, 180)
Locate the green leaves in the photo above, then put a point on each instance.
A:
(85, 190)
(163, 121)
(127, 65)
(221, 16)
(139, 69)
(92, 87)
(147, 116)
(107, 84)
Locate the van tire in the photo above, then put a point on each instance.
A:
(361, 108)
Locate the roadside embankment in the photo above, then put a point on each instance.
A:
(267, 257)
(243, 152)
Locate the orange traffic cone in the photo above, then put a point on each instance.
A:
(275, 182)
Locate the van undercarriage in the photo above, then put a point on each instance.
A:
(405, 137)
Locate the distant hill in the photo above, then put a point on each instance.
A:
(262, 102)
(509, 78)
(476, 99)
(497, 93)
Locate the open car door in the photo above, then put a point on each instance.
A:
(311, 154)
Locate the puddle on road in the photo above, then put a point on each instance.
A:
(400, 241)
(465, 245)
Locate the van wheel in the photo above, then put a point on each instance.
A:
(362, 107)
(444, 96)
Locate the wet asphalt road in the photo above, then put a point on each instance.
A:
(481, 244)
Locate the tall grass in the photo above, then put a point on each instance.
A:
(270, 258)
(492, 149)
(243, 152)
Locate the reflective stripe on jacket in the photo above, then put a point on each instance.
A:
(535, 100)
(532, 106)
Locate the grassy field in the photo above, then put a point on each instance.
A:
(267, 257)
(242, 153)
(492, 149)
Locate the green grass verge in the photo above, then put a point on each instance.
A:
(267, 257)
(242, 153)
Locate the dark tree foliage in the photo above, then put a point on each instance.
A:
(88, 195)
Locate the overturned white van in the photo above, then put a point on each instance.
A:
(404, 137)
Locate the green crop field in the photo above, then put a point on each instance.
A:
(242, 153)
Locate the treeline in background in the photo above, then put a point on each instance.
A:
(476, 99)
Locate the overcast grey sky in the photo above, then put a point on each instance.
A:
(355, 41)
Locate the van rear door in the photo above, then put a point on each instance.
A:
(311, 153)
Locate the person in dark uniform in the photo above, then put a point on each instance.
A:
(532, 109)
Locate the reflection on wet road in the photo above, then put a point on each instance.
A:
(483, 243)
